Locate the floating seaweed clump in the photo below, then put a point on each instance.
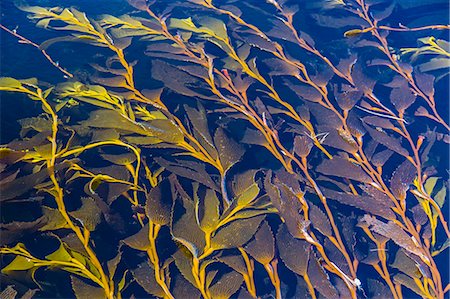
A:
(219, 149)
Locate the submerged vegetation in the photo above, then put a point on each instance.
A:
(268, 163)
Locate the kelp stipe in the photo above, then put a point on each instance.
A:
(200, 221)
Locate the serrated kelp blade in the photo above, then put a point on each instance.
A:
(158, 205)
(262, 247)
(376, 205)
(343, 168)
(230, 152)
(319, 278)
(226, 286)
(236, 233)
(293, 252)
(140, 240)
(184, 228)
(143, 273)
(83, 289)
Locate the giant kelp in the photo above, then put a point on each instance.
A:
(230, 180)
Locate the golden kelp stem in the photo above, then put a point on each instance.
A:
(248, 279)
(57, 192)
(153, 255)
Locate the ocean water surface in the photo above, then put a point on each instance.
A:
(224, 149)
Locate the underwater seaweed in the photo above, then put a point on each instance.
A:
(251, 160)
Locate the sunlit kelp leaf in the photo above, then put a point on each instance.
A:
(206, 209)
(92, 94)
(165, 129)
(437, 192)
(10, 84)
(226, 286)
(89, 214)
(19, 263)
(392, 231)
(212, 29)
(376, 205)
(319, 278)
(343, 168)
(248, 195)
(143, 273)
(262, 247)
(159, 203)
(83, 289)
(247, 204)
(126, 26)
(428, 45)
(402, 179)
(140, 140)
(68, 20)
(236, 233)
(61, 254)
